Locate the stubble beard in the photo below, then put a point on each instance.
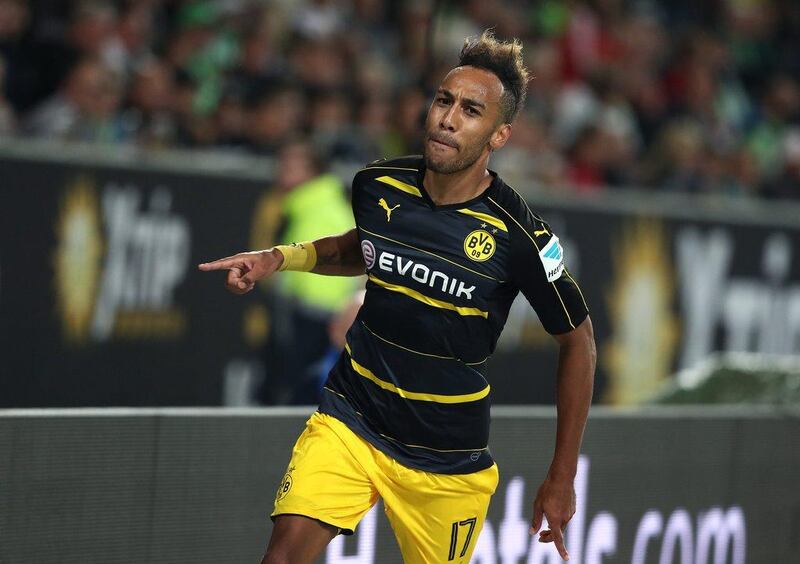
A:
(456, 164)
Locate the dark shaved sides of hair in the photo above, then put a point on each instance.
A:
(504, 59)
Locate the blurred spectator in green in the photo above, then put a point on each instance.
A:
(205, 47)
(312, 203)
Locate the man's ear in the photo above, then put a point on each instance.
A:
(500, 137)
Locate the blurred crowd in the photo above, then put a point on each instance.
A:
(676, 95)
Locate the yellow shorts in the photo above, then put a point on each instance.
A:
(335, 476)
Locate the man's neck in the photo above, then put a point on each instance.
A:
(457, 187)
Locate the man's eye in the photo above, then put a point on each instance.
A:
(442, 100)
(472, 111)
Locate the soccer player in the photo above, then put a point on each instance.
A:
(404, 416)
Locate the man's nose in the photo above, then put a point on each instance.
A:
(448, 119)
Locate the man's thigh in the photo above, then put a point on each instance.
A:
(297, 539)
(437, 517)
(325, 480)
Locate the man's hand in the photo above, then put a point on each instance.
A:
(245, 269)
(555, 500)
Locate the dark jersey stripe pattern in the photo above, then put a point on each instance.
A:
(441, 280)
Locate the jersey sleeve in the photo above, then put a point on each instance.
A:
(538, 268)
(356, 188)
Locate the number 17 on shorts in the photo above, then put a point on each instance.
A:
(463, 531)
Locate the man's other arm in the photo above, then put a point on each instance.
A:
(556, 496)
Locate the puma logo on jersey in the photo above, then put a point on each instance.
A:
(541, 232)
(382, 203)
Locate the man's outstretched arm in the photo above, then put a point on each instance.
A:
(556, 496)
(336, 255)
(339, 255)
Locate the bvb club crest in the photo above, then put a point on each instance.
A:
(479, 245)
(286, 485)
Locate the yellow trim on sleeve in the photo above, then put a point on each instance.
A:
(388, 386)
(491, 220)
(460, 310)
(400, 185)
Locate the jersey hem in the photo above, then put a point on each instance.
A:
(337, 406)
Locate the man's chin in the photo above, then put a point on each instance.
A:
(440, 165)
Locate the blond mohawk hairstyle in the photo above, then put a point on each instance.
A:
(504, 59)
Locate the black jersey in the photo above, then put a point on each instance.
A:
(441, 280)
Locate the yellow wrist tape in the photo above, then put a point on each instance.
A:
(298, 256)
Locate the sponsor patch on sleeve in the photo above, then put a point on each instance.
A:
(552, 257)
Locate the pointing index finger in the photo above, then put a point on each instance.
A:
(221, 264)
